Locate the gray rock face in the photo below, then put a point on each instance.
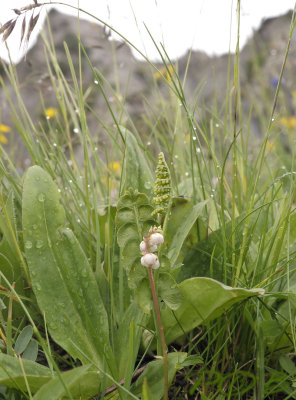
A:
(124, 77)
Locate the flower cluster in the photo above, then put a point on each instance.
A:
(165, 72)
(148, 246)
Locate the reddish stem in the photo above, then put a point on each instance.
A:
(161, 333)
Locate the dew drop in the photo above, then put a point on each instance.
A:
(186, 173)
(194, 138)
(54, 145)
(198, 150)
(39, 244)
(52, 325)
(147, 185)
(217, 125)
(59, 190)
(41, 197)
(76, 130)
(148, 143)
(28, 244)
(96, 82)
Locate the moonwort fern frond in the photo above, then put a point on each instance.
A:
(162, 187)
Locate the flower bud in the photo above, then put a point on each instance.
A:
(143, 247)
(155, 239)
(150, 260)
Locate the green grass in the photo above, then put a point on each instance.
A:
(232, 193)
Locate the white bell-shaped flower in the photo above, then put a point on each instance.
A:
(150, 260)
(155, 239)
(143, 247)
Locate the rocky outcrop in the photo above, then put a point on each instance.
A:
(130, 80)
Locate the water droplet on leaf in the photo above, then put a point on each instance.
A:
(41, 197)
(28, 245)
(39, 244)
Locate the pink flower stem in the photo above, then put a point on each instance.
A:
(161, 334)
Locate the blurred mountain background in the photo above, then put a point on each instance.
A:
(138, 86)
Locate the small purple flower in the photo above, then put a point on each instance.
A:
(274, 82)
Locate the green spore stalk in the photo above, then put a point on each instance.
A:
(162, 187)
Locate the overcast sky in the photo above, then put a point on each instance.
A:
(179, 24)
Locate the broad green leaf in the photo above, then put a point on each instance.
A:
(287, 364)
(80, 382)
(31, 351)
(181, 207)
(183, 231)
(144, 297)
(23, 339)
(169, 291)
(203, 299)
(11, 374)
(154, 375)
(271, 328)
(62, 279)
(191, 360)
(138, 174)
(146, 393)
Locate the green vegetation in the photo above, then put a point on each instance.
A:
(82, 315)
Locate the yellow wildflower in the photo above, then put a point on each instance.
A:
(114, 166)
(4, 129)
(164, 73)
(3, 139)
(288, 122)
(51, 112)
